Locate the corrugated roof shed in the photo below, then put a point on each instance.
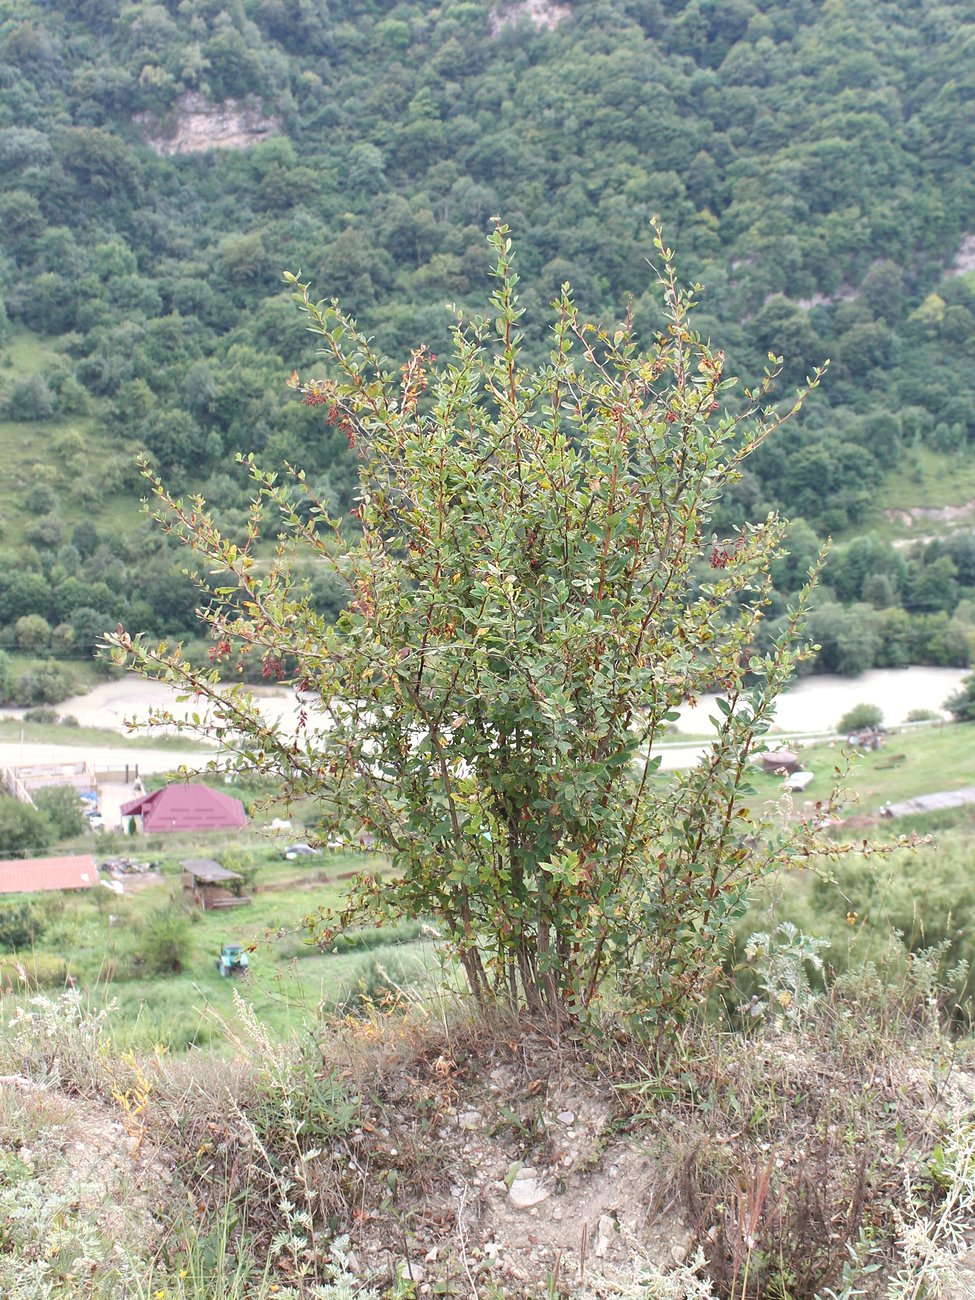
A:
(931, 802)
(186, 808)
(35, 875)
(208, 871)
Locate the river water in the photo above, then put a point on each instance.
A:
(816, 704)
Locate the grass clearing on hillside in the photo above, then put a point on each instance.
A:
(71, 454)
(24, 353)
(910, 763)
(32, 452)
(13, 730)
(930, 479)
(104, 943)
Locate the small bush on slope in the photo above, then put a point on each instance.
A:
(533, 587)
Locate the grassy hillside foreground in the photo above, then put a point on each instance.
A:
(151, 954)
(827, 1151)
(341, 1125)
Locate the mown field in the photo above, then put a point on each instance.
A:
(914, 762)
(902, 899)
(153, 953)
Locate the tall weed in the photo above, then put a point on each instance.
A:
(934, 1229)
(61, 1041)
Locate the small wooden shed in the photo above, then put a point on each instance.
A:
(211, 885)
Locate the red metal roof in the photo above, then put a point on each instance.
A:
(32, 875)
(186, 808)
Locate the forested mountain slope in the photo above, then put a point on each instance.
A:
(812, 163)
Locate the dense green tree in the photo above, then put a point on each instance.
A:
(88, 627)
(164, 940)
(960, 548)
(782, 328)
(878, 590)
(849, 637)
(32, 633)
(101, 163)
(802, 547)
(46, 534)
(851, 567)
(962, 703)
(938, 639)
(898, 644)
(861, 715)
(23, 830)
(20, 925)
(22, 593)
(85, 537)
(62, 808)
(29, 399)
(931, 586)
(47, 684)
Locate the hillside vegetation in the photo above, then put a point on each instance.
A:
(812, 163)
(578, 1031)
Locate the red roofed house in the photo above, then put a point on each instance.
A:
(33, 875)
(186, 808)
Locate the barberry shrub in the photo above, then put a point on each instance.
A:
(533, 587)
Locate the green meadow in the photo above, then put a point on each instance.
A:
(152, 952)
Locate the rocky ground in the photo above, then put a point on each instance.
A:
(503, 1162)
(536, 1169)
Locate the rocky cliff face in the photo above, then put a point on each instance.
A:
(197, 125)
(542, 14)
(964, 259)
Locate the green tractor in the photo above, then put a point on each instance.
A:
(232, 960)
